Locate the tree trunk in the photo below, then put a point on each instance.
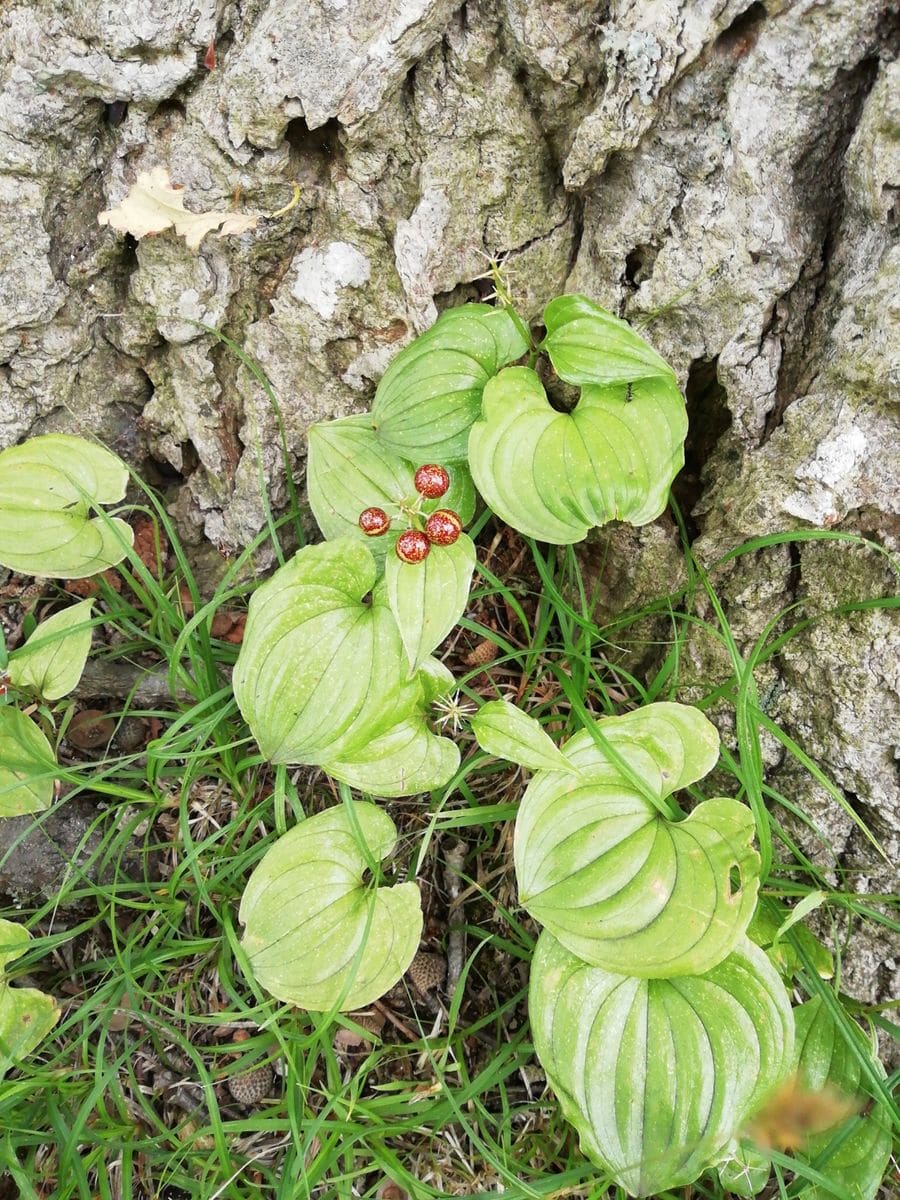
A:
(723, 173)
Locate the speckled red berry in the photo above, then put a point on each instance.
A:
(431, 481)
(412, 546)
(443, 527)
(374, 521)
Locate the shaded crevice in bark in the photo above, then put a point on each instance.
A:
(320, 146)
(577, 203)
(804, 313)
(115, 112)
(741, 35)
(794, 580)
(639, 264)
(709, 418)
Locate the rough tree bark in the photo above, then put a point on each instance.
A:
(725, 171)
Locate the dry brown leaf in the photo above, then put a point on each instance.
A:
(155, 204)
(90, 587)
(348, 1039)
(150, 543)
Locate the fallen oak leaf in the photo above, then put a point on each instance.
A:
(154, 204)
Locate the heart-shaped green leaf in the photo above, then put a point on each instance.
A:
(26, 1015)
(431, 392)
(657, 1075)
(428, 598)
(587, 344)
(504, 730)
(555, 475)
(862, 1144)
(48, 488)
(52, 659)
(611, 878)
(349, 469)
(315, 934)
(321, 672)
(27, 765)
(322, 676)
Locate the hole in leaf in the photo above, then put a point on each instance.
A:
(734, 881)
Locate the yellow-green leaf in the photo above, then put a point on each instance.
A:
(587, 344)
(49, 489)
(554, 475)
(315, 934)
(431, 392)
(657, 1075)
(502, 729)
(322, 676)
(862, 1144)
(52, 659)
(27, 765)
(615, 881)
(428, 598)
(26, 1015)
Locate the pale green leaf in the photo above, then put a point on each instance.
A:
(322, 676)
(858, 1163)
(428, 598)
(52, 659)
(430, 394)
(808, 904)
(48, 488)
(315, 934)
(658, 1075)
(349, 469)
(504, 730)
(616, 882)
(587, 344)
(764, 928)
(321, 673)
(436, 679)
(554, 476)
(406, 760)
(27, 765)
(745, 1170)
(26, 1015)
(409, 758)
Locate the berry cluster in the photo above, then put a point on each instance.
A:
(441, 528)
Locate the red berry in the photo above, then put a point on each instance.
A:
(443, 527)
(431, 481)
(374, 521)
(412, 546)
